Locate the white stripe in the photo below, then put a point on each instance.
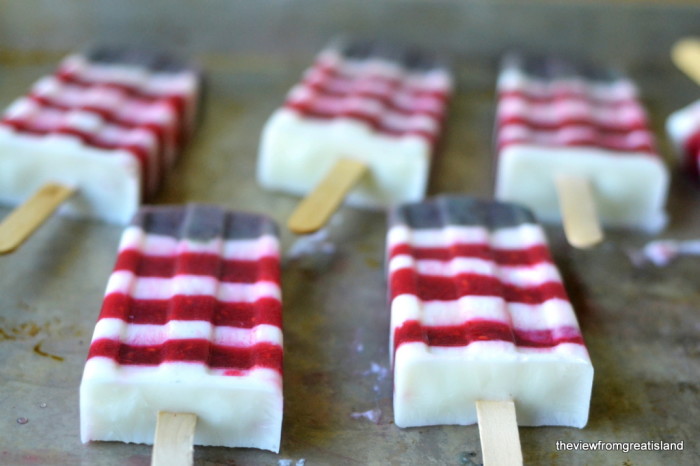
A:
(426, 104)
(437, 237)
(518, 237)
(189, 285)
(527, 276)
(232, 336)
(411, 122)
(252, 249)
(521, 276)
(149, 334)
(554, 313)
(22, 108)
(523, 236)
(571, 133)
(448, 268)
(514, 79)
(233, 292)
(559, 111)
(162, 245)
(438, 313)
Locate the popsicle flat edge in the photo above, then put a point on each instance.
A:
(498, 431)
(314, 210)
(174, 439)
(19, 225)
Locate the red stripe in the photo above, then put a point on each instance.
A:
(437, 288)
(599, 142)
(387, 100)
(178, 101)
(225, 270)
(307, 110)
(608, 128)
(507, 257)
(522, 257)
(483, 330)
(203, 308)
(108, 115)
(560, 95)
(260, 355)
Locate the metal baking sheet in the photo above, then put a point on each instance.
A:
(641, 324)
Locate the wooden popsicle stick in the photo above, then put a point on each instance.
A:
(315, 209)
(26, 218)
(173, 444)
(498, 431)
(578, 211)
(685, 54)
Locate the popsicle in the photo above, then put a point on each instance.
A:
(375, 109)
(683, 129)
(108, 123)
(191, 323)
(559, 119)
(479, 313)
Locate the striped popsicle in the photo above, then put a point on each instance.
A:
(556, 118)
(368, 101)
(110, 122)
(479, 312)
(191, 323)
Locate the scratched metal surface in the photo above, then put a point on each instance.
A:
(641, 323)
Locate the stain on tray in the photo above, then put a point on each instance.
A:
(34, 330)
(23, 331)
(5, 336)
(40, 352)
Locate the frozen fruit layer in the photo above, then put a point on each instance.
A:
(193, 307)
(479, 312)
(111, 128)
(556, 117)
(382, 104)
